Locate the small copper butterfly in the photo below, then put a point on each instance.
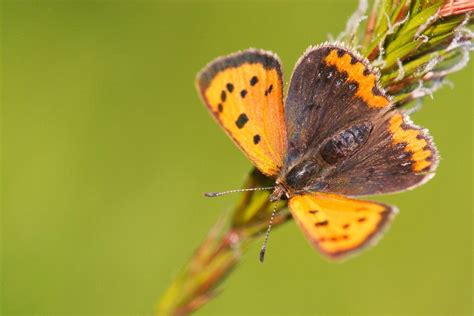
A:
(336, 136)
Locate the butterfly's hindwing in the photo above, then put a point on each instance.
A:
(397, 156)
(338, 226)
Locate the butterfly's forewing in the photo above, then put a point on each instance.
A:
(244, 92)
(339, 226)
(333, 90)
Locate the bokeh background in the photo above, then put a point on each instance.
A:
(106, 150)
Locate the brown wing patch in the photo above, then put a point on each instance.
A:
(358, 72)
(415, 143)
(397, 156)
(331, 90)
(339, 226)
(244, 92)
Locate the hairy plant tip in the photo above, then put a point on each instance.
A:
(454, 7)
(415, 44)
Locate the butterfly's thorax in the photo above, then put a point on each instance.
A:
(303, 174)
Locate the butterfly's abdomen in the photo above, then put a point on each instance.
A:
(345, 143)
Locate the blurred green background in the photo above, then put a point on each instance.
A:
(107, 149)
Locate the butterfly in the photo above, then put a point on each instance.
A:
(336, 136)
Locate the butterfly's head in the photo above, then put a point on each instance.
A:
(280, 192)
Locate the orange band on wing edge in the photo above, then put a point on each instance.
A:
(416, 144)
(356, 71)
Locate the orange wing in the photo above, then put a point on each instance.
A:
(244, 92)
(339, 226)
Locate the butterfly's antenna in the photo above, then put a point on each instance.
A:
(267, 234)
(215, 194)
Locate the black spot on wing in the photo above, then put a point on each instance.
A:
(243, 93)
(230, 87)
(376, 91)
(220, 107)
(256, 139)
(223, 96)
(339, 82)
(330, 74)
(241, 120)
(269, 90)
(321, 223)
(353, 86)
(253, 81)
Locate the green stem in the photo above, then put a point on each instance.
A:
(222, 250)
